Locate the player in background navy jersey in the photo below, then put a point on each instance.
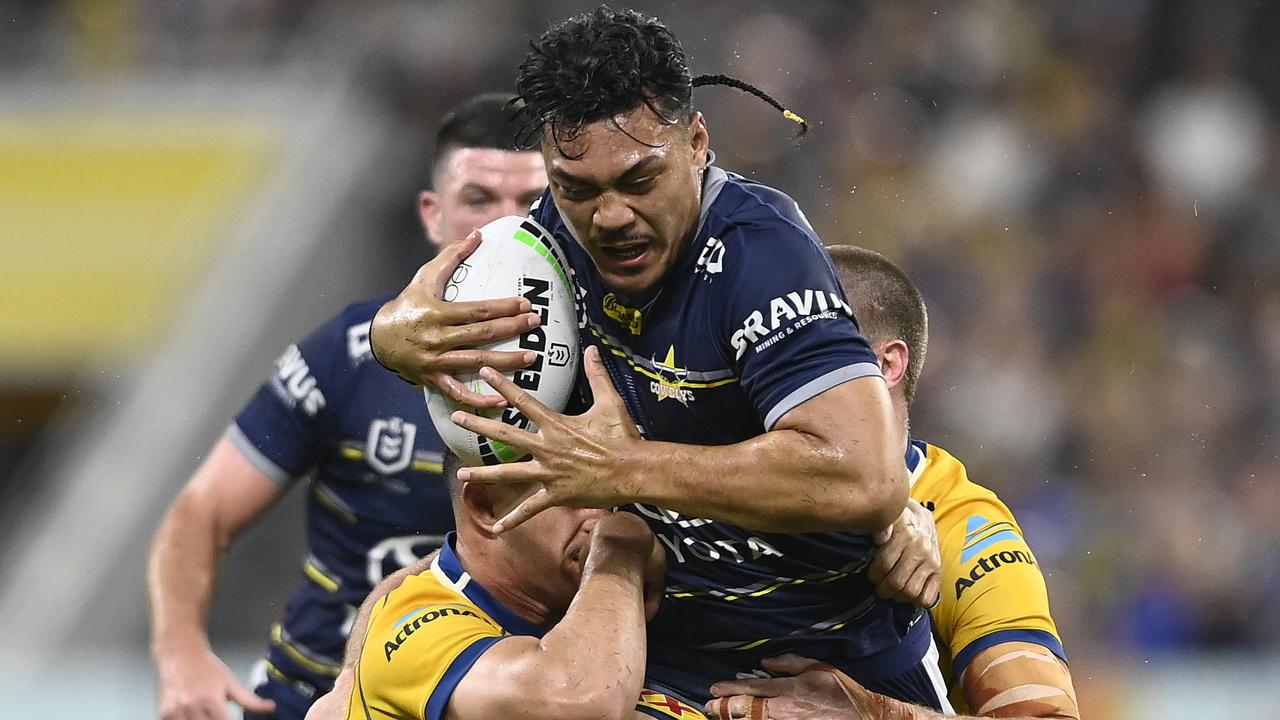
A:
(751, 425)
(363, 437)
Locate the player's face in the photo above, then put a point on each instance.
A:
(630, 189)
(477, 185)
(552, 547)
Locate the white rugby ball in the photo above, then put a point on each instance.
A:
(516, 258)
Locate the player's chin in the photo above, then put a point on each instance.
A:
(634, 280)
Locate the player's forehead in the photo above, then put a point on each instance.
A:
(607, 148)
(491, 167)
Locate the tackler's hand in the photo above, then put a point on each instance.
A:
(580, 460)
(426, 339)
(805, 690)
(908, 565)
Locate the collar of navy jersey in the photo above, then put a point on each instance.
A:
(713, 181)
(448, 563)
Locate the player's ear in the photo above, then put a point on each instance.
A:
(894, 356)
(478, 501)
(699, 139)
(429, 214)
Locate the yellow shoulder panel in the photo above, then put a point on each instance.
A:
(415, 635)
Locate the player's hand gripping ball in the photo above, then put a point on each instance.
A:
(516, 258)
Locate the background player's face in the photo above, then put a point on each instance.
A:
(630, 189)
(477, 185)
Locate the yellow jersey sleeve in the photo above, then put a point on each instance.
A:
(422, 639)
(992, 588)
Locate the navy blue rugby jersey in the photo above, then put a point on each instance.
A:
(750, 322)
(375, 500)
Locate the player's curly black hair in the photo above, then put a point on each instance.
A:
(604, 63)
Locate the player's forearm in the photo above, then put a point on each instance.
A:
(780, 481)
(596, 653)
(890, 709)
(181, 573)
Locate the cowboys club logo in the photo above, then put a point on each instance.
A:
(670, 382)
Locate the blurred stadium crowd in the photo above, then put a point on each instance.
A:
(1088, 194)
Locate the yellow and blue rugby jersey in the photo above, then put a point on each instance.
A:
(422, 639)
(750, 322)
(375, 501)
(992, 588)
(424, 636)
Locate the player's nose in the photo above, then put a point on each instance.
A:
(590, 517)
(612, 212)
(512, 207)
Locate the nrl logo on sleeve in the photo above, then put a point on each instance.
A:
(786, 314)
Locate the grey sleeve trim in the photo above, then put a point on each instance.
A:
(278, 475)
(817, 386)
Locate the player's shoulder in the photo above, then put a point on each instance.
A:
(749, 215)
(942, 479)
(420, 605)
(943, 485)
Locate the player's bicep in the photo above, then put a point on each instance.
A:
(1018, 679)
(230, 488)
(784, 324)
(499, 681)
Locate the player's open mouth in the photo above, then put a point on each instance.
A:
(628, 254)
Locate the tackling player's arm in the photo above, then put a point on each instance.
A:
(811, 690)
(591, 665)
(224, 496)
(994, 613)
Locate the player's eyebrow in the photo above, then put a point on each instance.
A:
(476, 187)
(563, 177)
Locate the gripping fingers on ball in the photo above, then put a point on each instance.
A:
(469, 334)
(473, 360)
(435, 274)
(472, 312)
(496, 430)
(531, 406)
(460, 393)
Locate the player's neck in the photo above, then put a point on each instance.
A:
(902, 419)
(498, 573)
